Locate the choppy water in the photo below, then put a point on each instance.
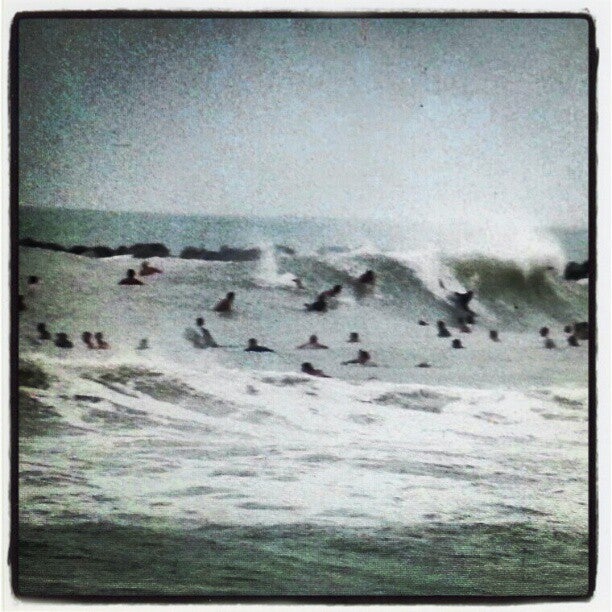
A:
(376, 481)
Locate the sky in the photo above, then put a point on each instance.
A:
(390, 119)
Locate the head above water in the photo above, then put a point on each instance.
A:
(313, 339)
(32, 280)
(200, 321)
(457, 344)
(307, 367)
(230, 296)
(131, 273)
(98, 335)
(441, 324)
(86, 336)
(41, 327)
(544, 332)
(353, 337)
(252, 342)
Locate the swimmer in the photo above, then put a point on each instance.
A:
(313, 343)
(544, 331)
(456, 344)
(568, 329)
(43, 333)
(422, 322)
(130, 279)
(572, 340)
(143, 345)
(33, 283)
(256, 348)
(363, 358)
(62, 341)
(320, 305)
(206, 337)
(102, 344)
(225, 305)
(88, 339)
(307, 368)
(354, 337)
(367, 278)
(494, 335)
(549, 343)
(147, 270)
(442, 330)
(423, 364)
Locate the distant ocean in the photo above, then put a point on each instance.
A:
(182, 471)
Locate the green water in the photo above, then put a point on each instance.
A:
(292, 560)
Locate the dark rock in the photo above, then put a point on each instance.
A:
(225, 253)
(78, 249)
(147, 250)
(122, 250)
(38, 244)
(576, 271)
(99, 251)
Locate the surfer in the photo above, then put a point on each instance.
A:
(494, 335)
(130, 279)
(205, 340)
(147, 270)
(319, 305)
(43, 332)
(256, 348)
(544, 331)
(442, 330)
(422, 322)
(354, 337)
(62, 341)
(307, 368)
(313, 343)
(363, 358)
(225, 305)
(456, 344)
(88, 339)
(102, 344)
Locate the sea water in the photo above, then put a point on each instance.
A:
(182, 471)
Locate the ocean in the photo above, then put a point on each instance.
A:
(178, 471)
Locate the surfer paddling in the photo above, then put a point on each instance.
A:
(253, 347)
(307, 368)
(147, 270)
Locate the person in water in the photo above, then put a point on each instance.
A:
(225, 305)
(208, 340)
(442, 330)
(319, 305)
(463, 300)
(62, 341)
(147, 270)
(549, 343)
(87, 338)
(422, 322)
(256, 348)
(298, 283)
(33, 283)
(130, 279)
(313, 343)
(572, 340)
(307, 368)
(363, 358)
(43, 332)
(354, 337)
(494, 335)
(143, 345)
(544, 332)
(367, 278)
(456, 344)
(102, 344)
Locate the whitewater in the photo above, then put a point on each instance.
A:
(488, 447)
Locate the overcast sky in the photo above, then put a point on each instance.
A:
(388, 118)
